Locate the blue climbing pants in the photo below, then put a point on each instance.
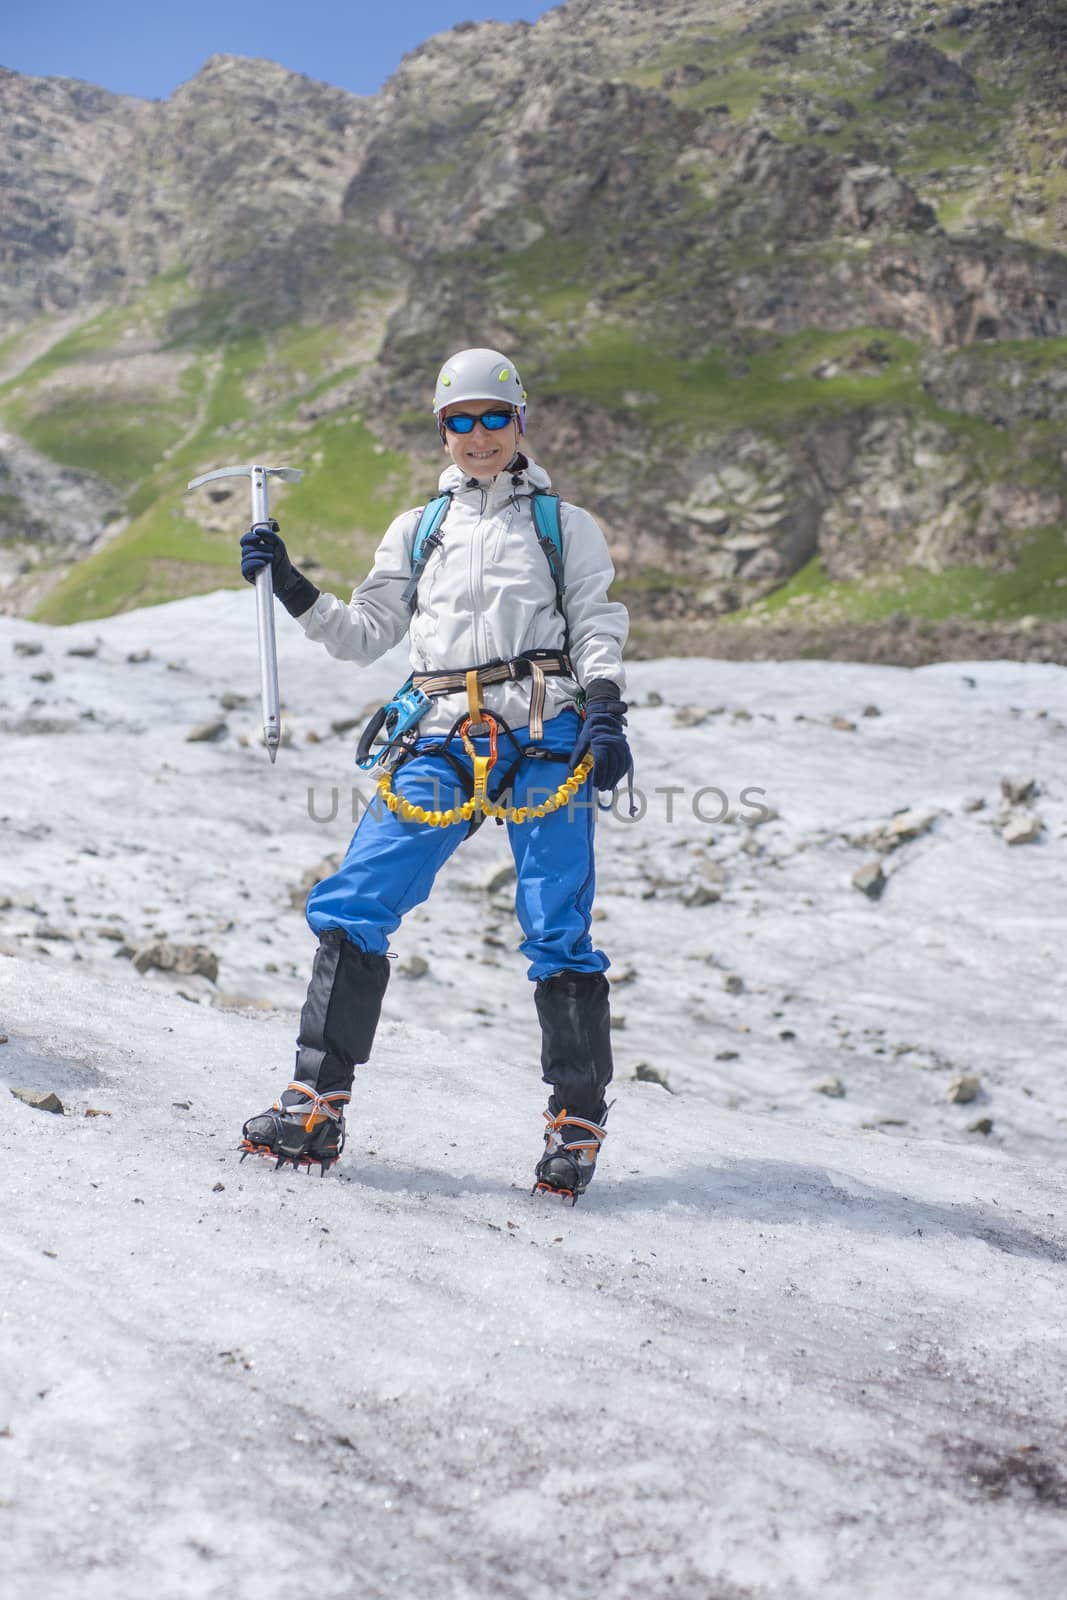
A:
(391, 865)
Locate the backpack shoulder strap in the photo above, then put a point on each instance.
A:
(550, 537)
(550, 533)
(427, 538)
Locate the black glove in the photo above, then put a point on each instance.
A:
(261, 547)
(605, 718)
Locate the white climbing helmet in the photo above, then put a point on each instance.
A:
(480, 375)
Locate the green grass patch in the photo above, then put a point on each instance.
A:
(554, 279)
(230, 400)
(118, 439)
(352, 484)
(768, 388)
(1037, 586)
(159, 557)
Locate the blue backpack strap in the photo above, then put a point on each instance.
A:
(427, 538)
(550, 538)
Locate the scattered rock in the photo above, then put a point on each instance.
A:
(691, 716)
(218, 1188)
(108, 931)
(733, 983)
(646, 1074)
(241, 1002)
(191, 960)
(27, 647)
(963, 1089)
(137, 656)
(975, 803)
(1021, 827)
(833, 1088)
(94, 1111)
(727, 1055)
(904, 826)
(843, 725)
(324, 869)
(654, 698)
(230, 701)
(415, 966)
(1017, 791)
(41, 725)
(43, 677)
(871, 711)
(207, 733)
(48, 930)
(40, 1099)
(499, 878)
(983, 1125)
(85, 650)
(870, 880)
(701, 894)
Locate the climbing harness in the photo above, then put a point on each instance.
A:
(479, 803)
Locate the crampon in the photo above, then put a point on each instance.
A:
(566, 1169)
(302, 1129)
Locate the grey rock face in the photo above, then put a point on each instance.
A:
(42, 502)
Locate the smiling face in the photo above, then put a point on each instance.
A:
(481, 454)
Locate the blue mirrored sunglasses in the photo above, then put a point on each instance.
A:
(463, 422)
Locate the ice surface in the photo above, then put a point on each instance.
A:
(774, 1352)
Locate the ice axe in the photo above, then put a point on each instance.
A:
(268, 648)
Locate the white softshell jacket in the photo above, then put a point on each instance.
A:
(486, 594)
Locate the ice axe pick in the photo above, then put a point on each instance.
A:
(268, 647)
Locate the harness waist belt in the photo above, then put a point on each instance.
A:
(537, 665)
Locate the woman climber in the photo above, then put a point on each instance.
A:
(517, 677)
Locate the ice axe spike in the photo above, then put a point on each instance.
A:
(268, 646)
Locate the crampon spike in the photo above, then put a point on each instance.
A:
(557, 1194)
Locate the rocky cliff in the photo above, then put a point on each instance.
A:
(788, 285)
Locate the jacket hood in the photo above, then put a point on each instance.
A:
(524, 474)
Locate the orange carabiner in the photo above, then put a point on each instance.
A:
(486, 722)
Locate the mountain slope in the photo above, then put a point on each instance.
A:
(788, 286)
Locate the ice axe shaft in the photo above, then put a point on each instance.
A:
(268, 644)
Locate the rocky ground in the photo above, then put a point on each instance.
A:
(899, 642)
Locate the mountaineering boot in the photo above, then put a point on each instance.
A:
(575, 1016)
(572, 1145)
(306, 1124)
(302, 1127)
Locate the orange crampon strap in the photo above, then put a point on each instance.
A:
(320, 1108)
(557, 1122)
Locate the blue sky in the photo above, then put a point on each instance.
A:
(146, 50)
